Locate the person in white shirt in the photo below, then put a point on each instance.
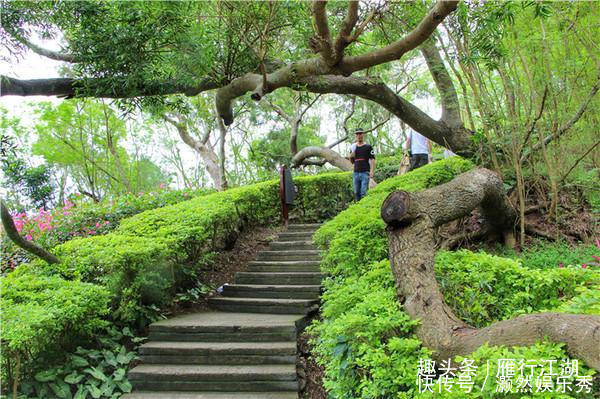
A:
(419, 148)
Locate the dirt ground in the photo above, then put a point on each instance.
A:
(313, 372)
(227, 263)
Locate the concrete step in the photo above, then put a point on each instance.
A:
(304, 227)
(253, 378)
(226, 353)
(300, 244)
(290, 255)
(209, 395)
(224, 327)
(285, 266)
(272, 291)
(277, 278)
(264, 305)
(295, 236)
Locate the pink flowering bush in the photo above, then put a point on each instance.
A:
(80, 218)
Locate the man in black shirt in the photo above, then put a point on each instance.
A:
(363, 158)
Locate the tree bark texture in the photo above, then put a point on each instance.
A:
(325, 153)
(210, 159)
(412, 219)
(13, 234)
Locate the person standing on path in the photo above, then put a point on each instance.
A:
(362, 156)
(420, 150)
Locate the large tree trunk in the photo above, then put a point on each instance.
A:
(412, 219)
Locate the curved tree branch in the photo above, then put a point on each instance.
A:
(325, 153)
(53, 55)
(412, 219)
(344, 37)
(321, 42)
(457, 138)
(293, 74)
(396, 50)
(13, 234)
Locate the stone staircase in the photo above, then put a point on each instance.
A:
(247, 347)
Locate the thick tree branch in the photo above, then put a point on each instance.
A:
(412, 218)
(477, 188)
(321, 42)
(396, 50)
(443, 82)
(457, 139)
(13, 234)
(343, 38)
(325, 153)
(70, 88)
(293, 74)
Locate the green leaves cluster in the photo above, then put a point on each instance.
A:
(44, 316)
(96, 372)
(482, 288)
(365, 341)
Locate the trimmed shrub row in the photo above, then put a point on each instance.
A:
(81, 218)
(137, 269)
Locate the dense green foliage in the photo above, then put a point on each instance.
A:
(44, 316)
(387, 166)
(139, 268)
(82, 218)
(365, 341)
(98, 372)
(483, 288)
(32, 182)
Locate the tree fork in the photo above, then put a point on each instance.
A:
(412, 219)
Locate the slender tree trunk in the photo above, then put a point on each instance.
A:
(113, 150)
(13, 234)
(223, 135)
(203, 148)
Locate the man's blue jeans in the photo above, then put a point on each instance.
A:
(361, 184)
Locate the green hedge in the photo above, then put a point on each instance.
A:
(366, 343)
(140, 266)
(81, 218)
(43, 316)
